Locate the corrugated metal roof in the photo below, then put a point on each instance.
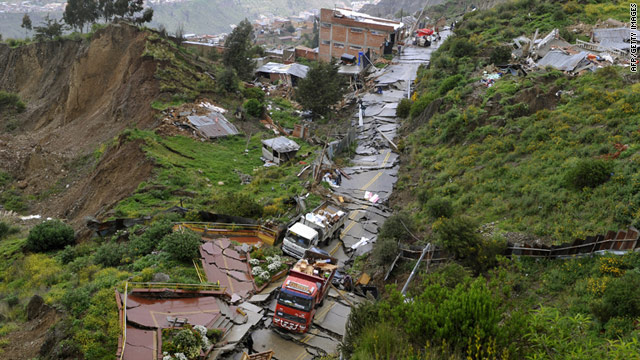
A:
(613, 35)
(562, 61)
(296, 70)
(281, 144)
(213, 125)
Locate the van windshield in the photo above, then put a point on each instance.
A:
(298, 240)
(293, 300)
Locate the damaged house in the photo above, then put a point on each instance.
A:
(279, 150)
(287, 73)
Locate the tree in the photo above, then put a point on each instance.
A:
(321, 88)
(77, 13)
(237, 46)
(106, 9)
(147, 16)
(49, 29)
(227, 80)
(26, 24)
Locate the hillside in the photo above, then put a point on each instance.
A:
(79, 94)
(542, 157)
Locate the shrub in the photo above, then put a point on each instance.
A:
(109, 254)
(461, 47)
(439, 207)
(187, 343)
(620, 298)
(11, 101)
(449, 83)
(6, 230)
(236, 204)
(50, 235)
(618, 327)
(361, 317)
(253, 107)
(588, 173)
(500, 55)
(254, 93)
(403, 109)
(384, 251)
(381, 341)
(182, 245)
(144, 244)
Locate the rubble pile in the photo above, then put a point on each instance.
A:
(607, 46)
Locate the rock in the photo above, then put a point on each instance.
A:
(22, 184)
(161, 277)
(35, 307)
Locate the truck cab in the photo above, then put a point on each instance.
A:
(296, 305)
(298, 239)
(304, 289)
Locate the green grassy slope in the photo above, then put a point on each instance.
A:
(505, 153)
(512, 154)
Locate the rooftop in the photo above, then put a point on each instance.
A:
(366, 18)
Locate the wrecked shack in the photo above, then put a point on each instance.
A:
(279, 150)
(213, 125)
(288, 74)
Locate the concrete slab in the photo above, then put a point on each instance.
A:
(332, 316)
(238, 332)
(267, 339)
(258, 298)
(249, 306)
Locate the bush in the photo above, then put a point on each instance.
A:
(254, 93)
(588, 173)
(182, 245)
(381, 341)
(384, 251)
(361, 317)
(11, 101)
(187, 343)
(500, 55)
(253, 107)
(144, 244)
(438, 207)
(109, 254)
(403, 109)
(620, 298)
(449, 83)
(236, 204)
(461, 47)
(6, 230)
(50, 235)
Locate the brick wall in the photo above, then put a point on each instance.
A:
(354, 36)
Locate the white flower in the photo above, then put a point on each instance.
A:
(265, 275)
(272, 259)
(167, 357)
(274, 266)
(181, 356)
(256, 271)
(254, 262)
(201, 329)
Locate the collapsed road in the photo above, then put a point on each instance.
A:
(234, 304)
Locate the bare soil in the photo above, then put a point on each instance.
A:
(79, 95)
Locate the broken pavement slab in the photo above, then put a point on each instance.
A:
(267, 339)
(332, 316)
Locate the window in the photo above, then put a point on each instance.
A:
(338, 45)
(326, 42)
(356, 30)
(379, 33)
(353, 47)
(326, 25)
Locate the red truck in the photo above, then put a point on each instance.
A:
(303, 291)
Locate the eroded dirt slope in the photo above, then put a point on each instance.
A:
(79, 95)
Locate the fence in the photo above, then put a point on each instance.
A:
(265, 234)
(137, 286)
(615, 242)
(338, 146)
